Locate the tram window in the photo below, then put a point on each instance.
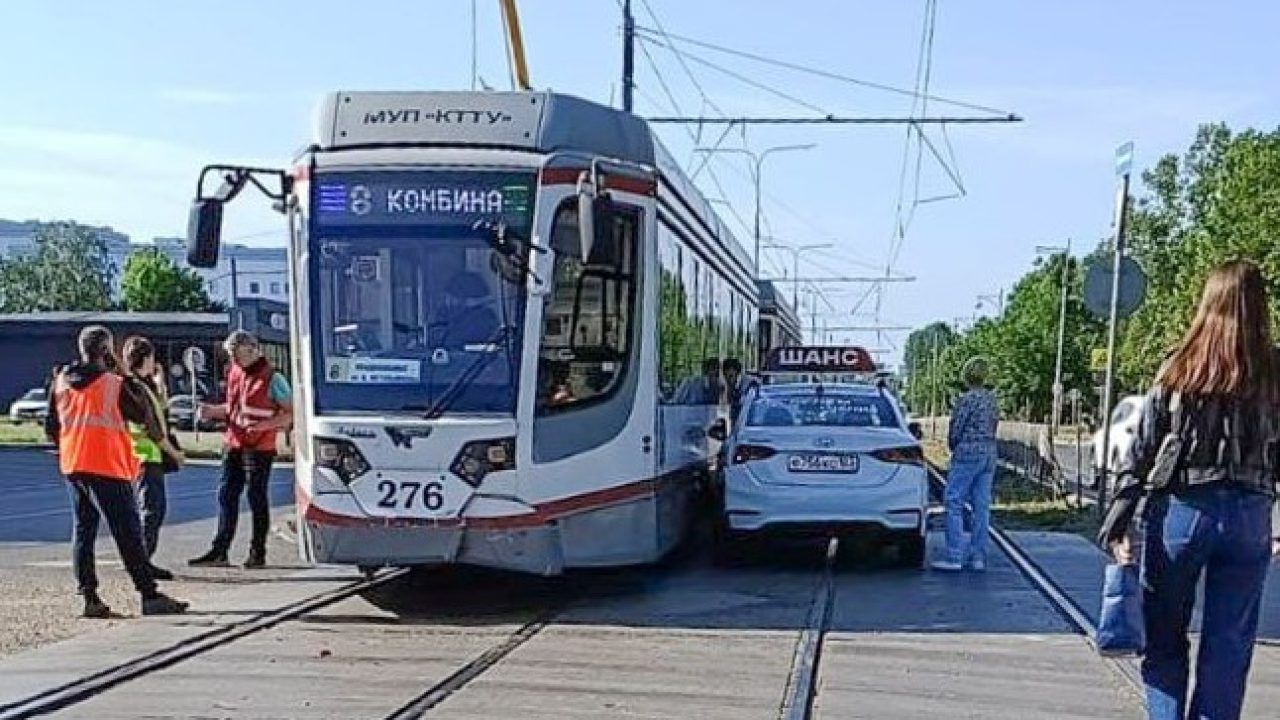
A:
(587, 316)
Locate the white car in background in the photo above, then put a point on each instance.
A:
(33, 406)
(1124, 428)
(815, 459)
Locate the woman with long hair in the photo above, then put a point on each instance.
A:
(141, 371)
(1210, 430)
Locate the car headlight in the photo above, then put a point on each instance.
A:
(341, 456)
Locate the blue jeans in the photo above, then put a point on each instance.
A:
(93, 497)
(153, 504)
(969, 481)
(1223, 533)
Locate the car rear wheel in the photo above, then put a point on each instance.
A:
(911, 550)
(727, 547)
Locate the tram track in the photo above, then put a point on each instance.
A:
(88, 687)
(802, 683)
(443, 690)
(1062, 603)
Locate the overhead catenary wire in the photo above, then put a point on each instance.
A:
(740, 77)
(675, 105)
(820, 72)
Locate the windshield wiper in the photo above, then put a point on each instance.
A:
(468, 375)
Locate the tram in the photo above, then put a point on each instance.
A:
(779, 325)
(510, 310)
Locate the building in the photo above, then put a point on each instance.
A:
(255, 272)
(32, 343)
(19, 238)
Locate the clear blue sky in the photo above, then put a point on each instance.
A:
(110, 108)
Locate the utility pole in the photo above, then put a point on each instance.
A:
(1124, 163)
(933, 390)
(235, 292)
(1062, 339)
(757, 160)
(628, 56)
(796, 252)
(1062, 331)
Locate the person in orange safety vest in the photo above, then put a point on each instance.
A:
(93, 407)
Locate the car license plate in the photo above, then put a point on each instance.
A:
(823, 463)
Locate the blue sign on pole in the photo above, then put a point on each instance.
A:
(1124, 158)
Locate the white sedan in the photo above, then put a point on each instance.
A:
(825, 459)
(1124, 428)
(34, 405)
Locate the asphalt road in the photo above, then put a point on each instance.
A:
(37, 507)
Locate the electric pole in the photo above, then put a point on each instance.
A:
(628, 56)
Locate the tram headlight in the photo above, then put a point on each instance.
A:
(478, 458)
(341, 456)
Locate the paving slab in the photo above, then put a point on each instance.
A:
(967, 675)
(593, 672)
(26, 673)
(350, 660)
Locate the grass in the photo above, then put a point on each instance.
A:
(208, 446)
(1020, 504)
(27, 433)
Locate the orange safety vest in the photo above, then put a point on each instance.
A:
(94, 437)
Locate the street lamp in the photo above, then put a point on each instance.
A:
(796, 252)
(1062, 330)
(757, 160)
(996, 299)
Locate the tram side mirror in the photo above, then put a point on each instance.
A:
(916, 430)
(718, 431)
(595, 225)
(204, 232)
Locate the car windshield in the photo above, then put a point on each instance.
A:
(35, 395)
(826, 410)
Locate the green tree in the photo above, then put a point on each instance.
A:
(1220, 201)
(69, 270)
(922, 356)
(153, 282)
(1021, 345)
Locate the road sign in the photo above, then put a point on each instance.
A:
(1098, 360)
(1124, 158)
(1097, 288)
(193, 358)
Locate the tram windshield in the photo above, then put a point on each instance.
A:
(410, 312)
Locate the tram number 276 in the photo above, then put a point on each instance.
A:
(406, 493)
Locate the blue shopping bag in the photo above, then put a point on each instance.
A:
(1120, 629)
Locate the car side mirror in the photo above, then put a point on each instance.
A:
(204, 232)
(718, 431)
(916, 430)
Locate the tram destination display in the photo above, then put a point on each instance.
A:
(422, 198)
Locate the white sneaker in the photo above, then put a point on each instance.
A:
(947, 565)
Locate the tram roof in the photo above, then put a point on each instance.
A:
(541, 122)
(772, 301)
